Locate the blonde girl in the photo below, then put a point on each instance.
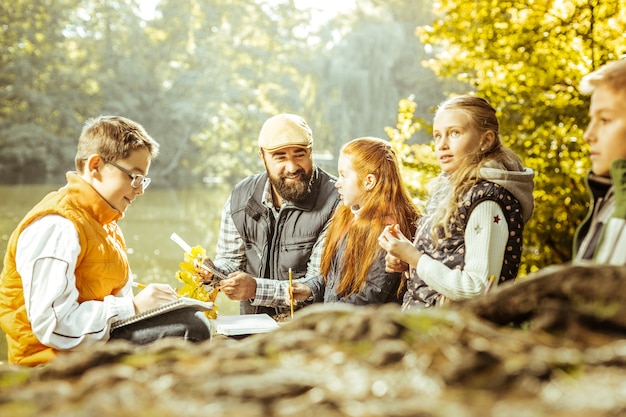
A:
(473, 225)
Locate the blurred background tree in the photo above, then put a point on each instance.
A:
(40, 93)
(203, 75)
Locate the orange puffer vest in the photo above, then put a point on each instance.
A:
(101, 267)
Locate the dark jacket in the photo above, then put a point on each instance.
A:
(601, 237)
(588, 233)
(381, 286)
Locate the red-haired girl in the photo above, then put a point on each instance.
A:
(373, 196)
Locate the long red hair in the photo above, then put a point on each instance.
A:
(388, 202)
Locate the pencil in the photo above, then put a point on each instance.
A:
(490, 284)
(291, 291)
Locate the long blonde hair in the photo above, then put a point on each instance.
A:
(387, 202)
(454, 186)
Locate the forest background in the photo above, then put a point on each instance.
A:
(203, 75)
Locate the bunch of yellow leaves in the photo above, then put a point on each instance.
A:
(192, 282)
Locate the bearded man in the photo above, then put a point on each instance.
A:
(275, 221)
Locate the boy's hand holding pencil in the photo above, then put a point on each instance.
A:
(153, 295)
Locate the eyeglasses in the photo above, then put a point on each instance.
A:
(137, 180)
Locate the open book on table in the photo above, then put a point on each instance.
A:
(164, 308)
(244, 324)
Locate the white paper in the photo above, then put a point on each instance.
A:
(244, 324)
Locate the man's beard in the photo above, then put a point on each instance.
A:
(296, 191)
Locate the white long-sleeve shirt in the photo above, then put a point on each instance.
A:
(47, 251)
(485, 243)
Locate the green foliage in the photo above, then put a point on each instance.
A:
(36, 129)
(419, 164)
(230, 65)
(201, 77)
(526, 58)
(370, 68)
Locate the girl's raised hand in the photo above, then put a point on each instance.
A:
(400, 250)
(393, 264)
(301, 291)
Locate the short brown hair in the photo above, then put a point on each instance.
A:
(113, 138)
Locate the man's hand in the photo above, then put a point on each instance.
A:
(300, 291)
(239, 286)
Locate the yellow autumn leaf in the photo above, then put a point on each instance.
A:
(185, 277)
(187, 266)
(189, 275)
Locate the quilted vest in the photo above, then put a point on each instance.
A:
(275, 245)
(101, 268)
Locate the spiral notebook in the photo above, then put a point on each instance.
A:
(164, 308)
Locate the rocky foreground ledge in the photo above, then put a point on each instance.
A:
(550, 345)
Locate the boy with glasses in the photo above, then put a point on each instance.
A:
(66, 276)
